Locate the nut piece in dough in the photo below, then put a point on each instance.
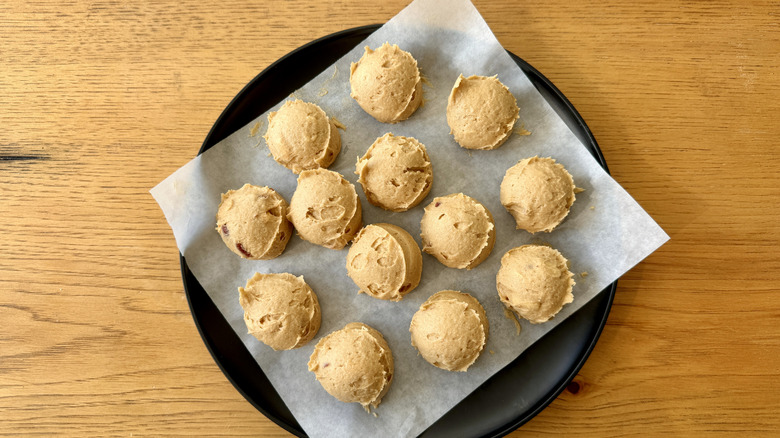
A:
(458, 231)
(538, 193)
(301, 136)
(450, 330)
(534, 281)
(385, 262)
(481, 112)
(386, 83)
(395, 172)
(252, 222)
(325, 209)
(354, 364)
(280, 310)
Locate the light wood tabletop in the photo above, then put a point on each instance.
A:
(101, 100)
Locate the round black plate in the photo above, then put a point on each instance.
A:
(507, 400)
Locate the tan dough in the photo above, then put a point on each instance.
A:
(301, 136)
(534, 281)
(325, 209)
(458, 231)
(386, 83)
(385, 262)
(354, 364)
(450, 330)
(481, 112)
(252, 222)
(538, 193)
(395, 172)
(280, 310)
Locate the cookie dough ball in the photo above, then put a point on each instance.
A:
(354, 364)
(386, 83)
(450, 330)
(396, 173)
(534, 282)
(301, 136)
(280, 310)
(481, 112)
(538, 193)
(325, 209)
(252, 222)
(458, 231)
(385, 262)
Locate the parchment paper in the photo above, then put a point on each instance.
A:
(605, 234)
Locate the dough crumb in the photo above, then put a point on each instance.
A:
(511, 316)
(592, 207)
(522, 131)
(492, 352)
(584, 274)
(338, 124)
(255, 129)
(578, 190)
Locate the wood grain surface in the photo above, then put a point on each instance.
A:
(101, 100)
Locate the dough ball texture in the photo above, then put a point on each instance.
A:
(385, 262)
(450, 330)
(481, 112)
(395, 172)
(386, 83)
(252, 222)
(354, 364)
(458, 231)
(280, 310)
(325, 209)
(534, 281)
(538, 193)
(301, 136)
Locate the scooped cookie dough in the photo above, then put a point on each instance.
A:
(538, 193)
(325, 209)
(354, 364)
(481, 112)
(534, 281)
(458, 231)
(252, 222)
(280, 310)
(385, 262)
(301, 136)
(450, 330)
(386, 83)
(395, 172)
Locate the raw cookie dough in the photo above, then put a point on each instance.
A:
(325, 209)
(386, 83)
(538, 193)
(458, 231)
(301, 136)
(385, 262)
(395, 172)
(450, 330)
(280, 310)
(354, 364)
(534, 281)
(481, 112)
(252, 222)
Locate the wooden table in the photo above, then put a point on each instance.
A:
(99, 101)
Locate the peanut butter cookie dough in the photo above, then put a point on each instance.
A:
(534, 281)
(301, 136)
(354, 364)
(385, 262)
(481, 112)
(252, 222)
(395, 172)
(280, 310)
(538, 193)
(458, 231)
(386, 83)
(325, 209)
(450, 330)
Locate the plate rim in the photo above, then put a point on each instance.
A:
(523, 417)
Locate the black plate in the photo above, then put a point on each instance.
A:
(508, 399)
